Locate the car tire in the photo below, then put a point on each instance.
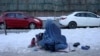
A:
(32, 26)
(72, 25)
(2, 26)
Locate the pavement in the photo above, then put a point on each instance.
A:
(14, 30)
(30, 52)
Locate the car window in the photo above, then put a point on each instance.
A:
(19, 15)
(80, 15)
(84, 15)
(11, 15)
(91, 15)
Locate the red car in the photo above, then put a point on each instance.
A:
(19, 20)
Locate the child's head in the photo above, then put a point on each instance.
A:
(39, 36)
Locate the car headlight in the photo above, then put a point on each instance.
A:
(36, 20)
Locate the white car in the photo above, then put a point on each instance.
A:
(80, 18)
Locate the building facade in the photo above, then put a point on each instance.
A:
(49, 6)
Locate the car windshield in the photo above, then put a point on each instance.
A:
(91, 15)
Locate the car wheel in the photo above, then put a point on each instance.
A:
(32, 26)
(2, 26)
(72, 25)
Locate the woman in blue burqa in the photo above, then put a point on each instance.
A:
(52, 38)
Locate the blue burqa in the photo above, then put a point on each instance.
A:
(52, 35)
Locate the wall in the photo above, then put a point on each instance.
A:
(49, 7)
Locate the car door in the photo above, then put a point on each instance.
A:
(10, 20)
(80, 18)
(21, 21)
(92, 19)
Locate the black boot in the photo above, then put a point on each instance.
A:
(76, 44)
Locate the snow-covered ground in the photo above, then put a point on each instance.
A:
(15, 44)
(45, 18)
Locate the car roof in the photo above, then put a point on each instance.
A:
(82, 12)
(12, 12)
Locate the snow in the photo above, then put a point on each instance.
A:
(18, 42)
(45, 18)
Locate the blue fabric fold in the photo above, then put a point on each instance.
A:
(52, 36)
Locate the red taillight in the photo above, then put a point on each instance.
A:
(63, 18)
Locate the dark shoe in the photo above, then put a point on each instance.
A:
(76, 44)
(85, 47)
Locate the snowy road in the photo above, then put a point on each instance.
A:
(39, 53)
